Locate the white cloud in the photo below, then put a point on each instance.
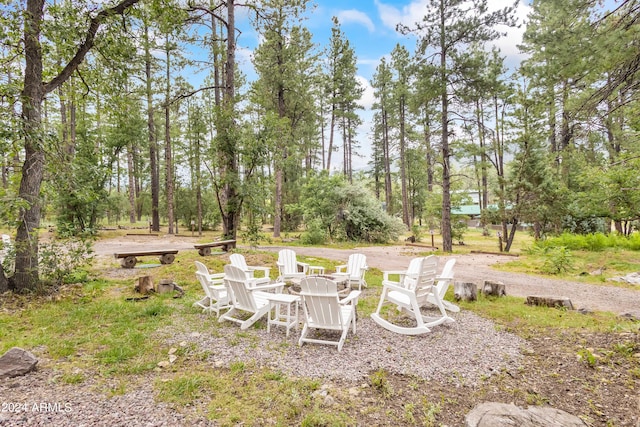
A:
(368, 98)
(414, 12)
(357, 17)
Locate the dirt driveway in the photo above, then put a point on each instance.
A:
(472, 268)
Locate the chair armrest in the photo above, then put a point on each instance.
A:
(449, 278)
(277, 286)
(394, 286)
(388, 273)
(266, 270)
(339, 268)
(304, 265)
(353, 296)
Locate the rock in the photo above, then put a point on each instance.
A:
(16, 362)
(493, 414)
(631, 315)
(631, 278)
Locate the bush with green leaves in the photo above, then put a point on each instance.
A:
(594, 242)
(340, 210)
(61, 260)
(556, 259)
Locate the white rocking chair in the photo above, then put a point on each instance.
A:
(215, 293)
(444, 281)
(239, 261)
(354, 270)
(244, 297)
(409, 294)
(323, 309)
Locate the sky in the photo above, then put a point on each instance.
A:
(370, 27)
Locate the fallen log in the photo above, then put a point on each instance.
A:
(549, 301)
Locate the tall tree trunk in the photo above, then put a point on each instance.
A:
(447, 243)
(228, 197)
(26, 264)
(132, 189)
(386, 160)
(332, 127)
(403, 167)
(154, 169)
(167, 138)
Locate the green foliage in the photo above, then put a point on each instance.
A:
(61, 260)
(344, 211)
(380, 381)
(458, 227)
(592, 242)
(317, 418)
(556, 259)
(315, 234)
(587, 356)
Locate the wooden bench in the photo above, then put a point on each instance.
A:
(204, 249)
(129, 259)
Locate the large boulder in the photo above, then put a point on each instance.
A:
(492, 414)
(16, 362)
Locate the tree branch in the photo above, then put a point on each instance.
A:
(86, 46)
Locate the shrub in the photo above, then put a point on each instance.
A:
(336, 209)
(62, 259)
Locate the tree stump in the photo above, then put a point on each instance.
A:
(145, 285)
(165, 285)
(497, 289)
(549, 301)
(465, 291)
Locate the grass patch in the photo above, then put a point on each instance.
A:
(518, 317)
(244, 394)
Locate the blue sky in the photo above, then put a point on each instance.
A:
(370, 27)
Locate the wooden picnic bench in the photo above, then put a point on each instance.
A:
(129, 259)
(204, 249)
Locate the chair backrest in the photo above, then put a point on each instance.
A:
(412, 273)
(287, 261)
(355, 264)
(447, 277)
(202, 268)
(239, 261)
(426, 277)
(235, 279)
(204, 282)
(321, 303)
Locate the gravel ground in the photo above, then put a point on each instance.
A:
(40, 399)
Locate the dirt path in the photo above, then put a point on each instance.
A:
(472, 268)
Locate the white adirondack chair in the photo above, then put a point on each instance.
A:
(409, 294)
(244, 297)
(354, 270)
(215, 293)
(443, 282)
(239, 261)
(322, 309)
(289, 267)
